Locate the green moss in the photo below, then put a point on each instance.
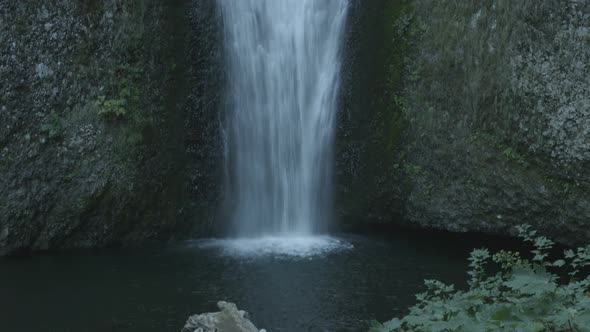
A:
(564, 187)
(391, 106)
(461, 77)
(53, 127)
(124, 101)
(124, 98)
(376, 122)
(512, 154)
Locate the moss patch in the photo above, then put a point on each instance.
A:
(389, 103)
(374, 117)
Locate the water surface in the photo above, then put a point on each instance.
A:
(156, 289)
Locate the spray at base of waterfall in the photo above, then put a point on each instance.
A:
(277, 246)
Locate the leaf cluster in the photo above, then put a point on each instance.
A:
(127, 94)
(53, 127)
(525, 295)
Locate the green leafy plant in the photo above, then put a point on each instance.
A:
(127, 94)
(53, 127)
(525, 295)
(513, 155)
(111, 107)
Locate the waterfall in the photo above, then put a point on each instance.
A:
(283, 73)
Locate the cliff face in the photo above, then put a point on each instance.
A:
(465, 116)
(487, 127)
(97, 121)
(370, 123)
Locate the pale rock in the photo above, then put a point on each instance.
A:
(229, 319)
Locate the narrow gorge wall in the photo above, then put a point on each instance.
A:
(106, 121)
(486, 128)
(370, 122)
(463, 116)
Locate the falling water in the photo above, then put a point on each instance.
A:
(283, 65)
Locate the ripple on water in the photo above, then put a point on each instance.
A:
(277, 246)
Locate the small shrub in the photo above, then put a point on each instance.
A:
(525, 295)
(513, 155)
(111, 108)
(127, 94)
(53, 127)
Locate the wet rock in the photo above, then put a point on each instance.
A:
(43, 71)
(514, 144)
(71, 178)
(229, 319)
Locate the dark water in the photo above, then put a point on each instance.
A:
(156, 289)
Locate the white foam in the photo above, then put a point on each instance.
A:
(283, 65)
(278, 246)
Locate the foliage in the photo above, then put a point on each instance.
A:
(524, 295)
(513, 155)
(125, 105)
(111, 107)
(390, 102)
(122, 96)
(53, 127)
(127, 94)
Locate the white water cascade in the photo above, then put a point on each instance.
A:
(283, 67)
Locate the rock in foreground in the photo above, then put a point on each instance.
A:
(229, 319)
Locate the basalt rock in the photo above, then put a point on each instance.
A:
(229, 319)
(102, 140)
(475, 118)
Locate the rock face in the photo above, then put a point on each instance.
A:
(478, 121)
(369, 126)
(229, 319)
(202, 121)
(105, 121)
(456, 115)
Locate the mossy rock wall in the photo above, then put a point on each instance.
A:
(494, 119)
(370, 120)
(464, 116)
(72, 174)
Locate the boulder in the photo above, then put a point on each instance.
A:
(229, 319)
